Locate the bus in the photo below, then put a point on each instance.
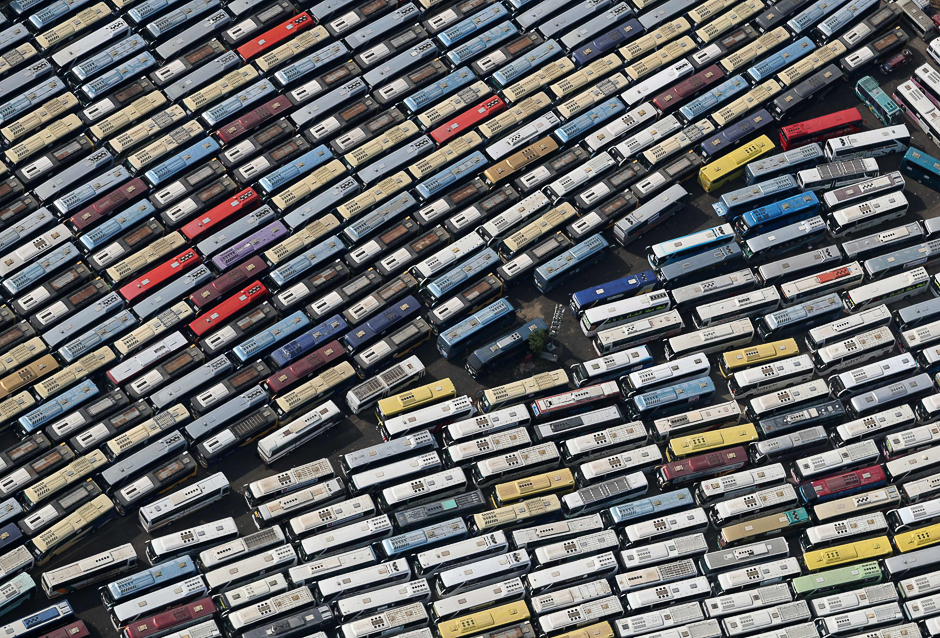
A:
(854, 351)
(800, 316)
(416, 398)
(886, 396)
(777, 214)
(712, 339)
(770, 40)
(928, 79)
(520, 267)
(771, 377)
(620, 312)
(857, 193)
(825, 334)
(664, 252)
(829, 176)
(782, 240)
(820, 128)
(651, 213)
(502, 349)
(708, 101)
(609, 366)
(873, 52)
(685, 138)
(877, 243)
(316, 390)
(882, 141)
(474, 265)
(379, 325)
(706, 290)
(379, 386)
(697, 266)
(454, 341)
(470, 299)
(733, 135)
(756, 302)
(888, 290)
(770, 65)
(811, 90)
(787, 163)
(575, 401)
(732, 204)
(516, 391)
(635, 333)
(688, 89)
(864, 378)
(827, 281)
(874, 212)
(432, 417)
(883, 107)
(396, 345)
(735, 360)
(684, 167)
(914, 102)
(719, 172)
(850, 12)
(671, 399)
(922, 167)
(565, 266)
(758, 95)
(554, 218)
(693, 365)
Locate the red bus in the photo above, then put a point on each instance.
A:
(820, 129)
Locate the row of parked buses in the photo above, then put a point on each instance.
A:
(230, 225)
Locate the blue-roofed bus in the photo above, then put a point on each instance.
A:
(497, 352)
(455, 340)
(629, 286)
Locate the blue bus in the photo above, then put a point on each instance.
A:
(454, 341)
(709, 101)
(270, 336)
(769, 66)
(777, 214)
(629, 286)
(468, 300)
(674, 398)
(732, 204)
(330, 329)
(892, 263)
(922, 167)
(673, 249)
(733, 134)
(502, 349)
(377, 326)
(883, 107)
(646, 507)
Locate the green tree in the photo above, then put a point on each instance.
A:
(537, 341)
